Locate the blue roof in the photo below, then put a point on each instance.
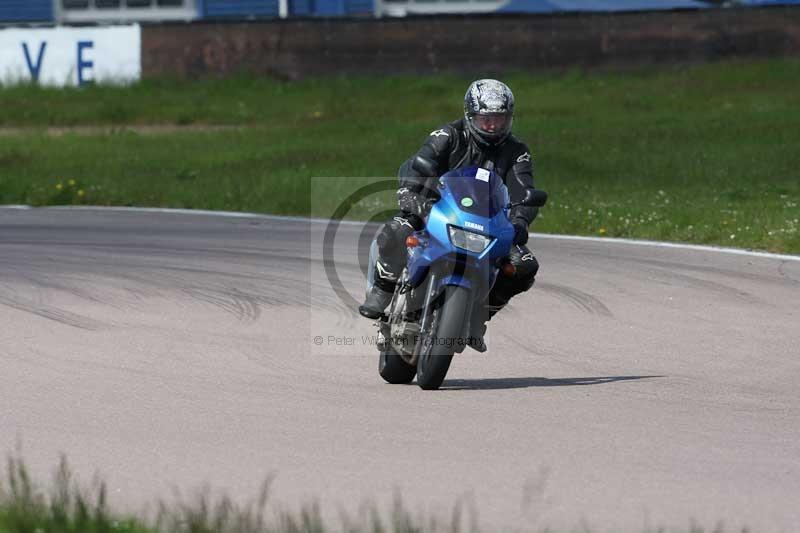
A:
(529, 6)
(26, 10)
(558, 6)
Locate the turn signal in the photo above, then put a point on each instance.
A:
(412, 241)
(509, 270)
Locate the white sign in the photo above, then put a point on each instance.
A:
(71, 56)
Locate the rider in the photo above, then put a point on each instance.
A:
(482, 138)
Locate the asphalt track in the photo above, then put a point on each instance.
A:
(633, 387)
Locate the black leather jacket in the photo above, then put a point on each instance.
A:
(452, 147)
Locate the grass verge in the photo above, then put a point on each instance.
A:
(70, 508)
(704, 154)
(67, 507)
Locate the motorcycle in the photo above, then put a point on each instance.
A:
(453, 261)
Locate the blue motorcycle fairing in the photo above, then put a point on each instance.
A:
(484, 213)
(485, 189)
(455, 279)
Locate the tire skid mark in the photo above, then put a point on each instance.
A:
(173, 250)
(713, 286)
(39, 308)
(260, 256)
(229, 298)
(47, 281)
(241, 295)
(139, 270)
(667, 274)
(785, 275)
(242, 306)
(251, 310)
(582, 300)
(707, 269)
(238, 298)
(669, 277)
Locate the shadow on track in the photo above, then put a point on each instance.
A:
(521, 383)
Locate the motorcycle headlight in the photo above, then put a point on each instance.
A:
(468, 240)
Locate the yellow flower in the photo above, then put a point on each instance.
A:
(58, 186)
(602, 231)
(71, 183)
(81, 193)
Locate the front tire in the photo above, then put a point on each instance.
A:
(393, 369)
(434, 362)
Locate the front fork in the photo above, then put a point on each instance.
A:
(427, 335)
(426, 320)
(427, 323)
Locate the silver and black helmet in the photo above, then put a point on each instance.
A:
(489, 111)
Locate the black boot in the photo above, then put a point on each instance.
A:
(477, 326)
(376, 302)
(475, 339)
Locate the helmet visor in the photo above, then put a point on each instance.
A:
(493, 123)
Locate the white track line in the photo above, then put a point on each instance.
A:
(552, 236)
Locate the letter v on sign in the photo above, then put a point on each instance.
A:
(34, 68)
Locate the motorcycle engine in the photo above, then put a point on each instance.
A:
(404, 329)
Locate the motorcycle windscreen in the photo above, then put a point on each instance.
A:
(476, 190)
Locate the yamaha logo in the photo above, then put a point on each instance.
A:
(473, 225)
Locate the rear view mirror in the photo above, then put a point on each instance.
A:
(534, 198)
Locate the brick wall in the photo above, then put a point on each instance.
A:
(476, 45)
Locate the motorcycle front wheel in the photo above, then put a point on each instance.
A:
(448, 324)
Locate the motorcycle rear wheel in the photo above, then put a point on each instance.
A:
(393, 369)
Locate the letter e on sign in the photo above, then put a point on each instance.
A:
(83, 63)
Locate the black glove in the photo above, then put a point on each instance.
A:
(410, 202)
(520, 231)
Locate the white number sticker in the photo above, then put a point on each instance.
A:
(482, 174)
